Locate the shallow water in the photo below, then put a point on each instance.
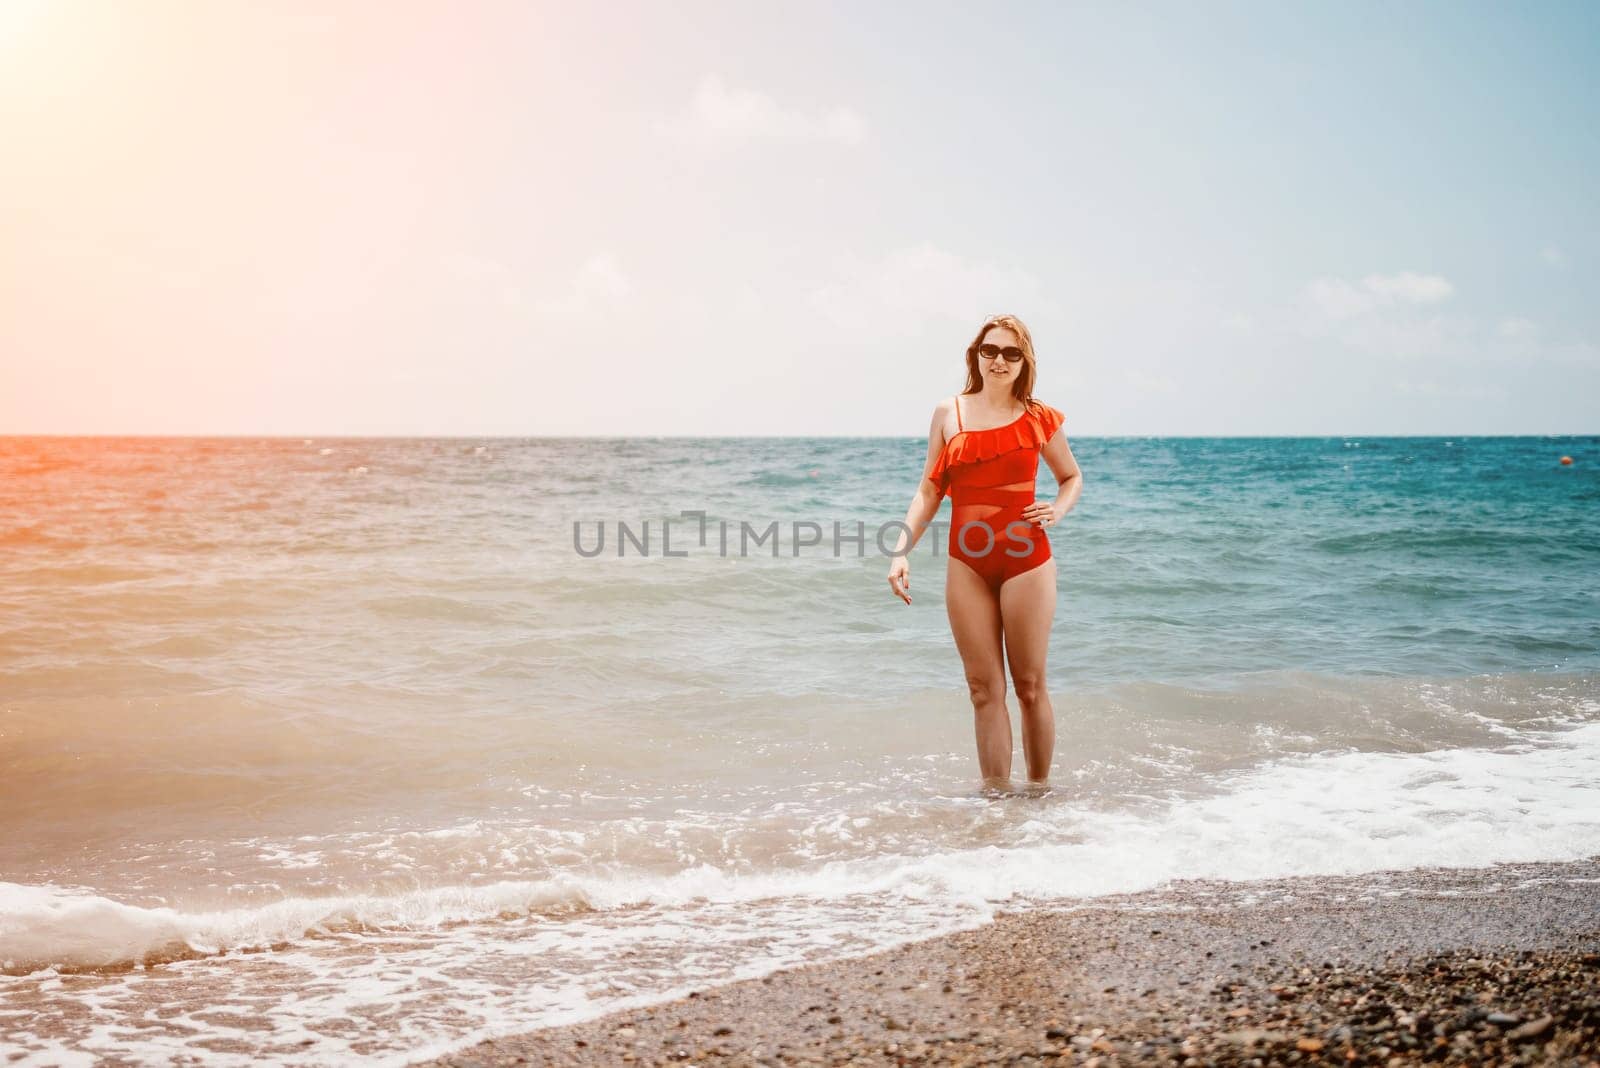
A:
(348, 736)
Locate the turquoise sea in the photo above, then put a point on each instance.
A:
(321, 750)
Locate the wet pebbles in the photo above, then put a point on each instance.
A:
(1497, 966)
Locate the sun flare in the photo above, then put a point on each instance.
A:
(16, 16)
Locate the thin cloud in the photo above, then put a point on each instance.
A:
(486, 277)
(1403, 316)
(1141, 382)
(1339, 298)
(719, 112)
(1431, 390)
(599, 285)
(1408, 287)
(924, 282)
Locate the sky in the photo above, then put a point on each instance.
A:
(532, 219)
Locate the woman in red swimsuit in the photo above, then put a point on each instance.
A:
(1000, 586)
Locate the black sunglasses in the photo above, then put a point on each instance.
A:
(989, 352)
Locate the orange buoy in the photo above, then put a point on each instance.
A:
(1566, 461)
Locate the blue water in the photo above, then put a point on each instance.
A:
(1203, 559)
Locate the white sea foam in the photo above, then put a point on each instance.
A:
(1324, 814)
(414, 979)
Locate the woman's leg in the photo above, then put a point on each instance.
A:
(1027, 609)
(975, 623)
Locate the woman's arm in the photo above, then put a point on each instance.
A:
(1057, 452)
(924, 506)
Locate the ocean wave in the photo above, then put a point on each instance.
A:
(1341, 813)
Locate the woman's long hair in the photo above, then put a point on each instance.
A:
(1022, 388)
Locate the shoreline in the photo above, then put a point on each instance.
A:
(1467, 966)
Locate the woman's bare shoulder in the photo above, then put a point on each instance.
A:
(943, 422)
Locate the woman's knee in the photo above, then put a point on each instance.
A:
(986, 687)
(1030, 686)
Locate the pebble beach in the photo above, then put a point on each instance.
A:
(1479, 966)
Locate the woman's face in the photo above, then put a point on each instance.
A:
(998, 370)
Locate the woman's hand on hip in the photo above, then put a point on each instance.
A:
(1042, 512)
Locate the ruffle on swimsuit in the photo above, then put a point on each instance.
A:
(1033, 429)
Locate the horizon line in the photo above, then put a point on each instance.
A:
(702, 437)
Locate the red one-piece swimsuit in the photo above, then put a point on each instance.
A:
(991, 475)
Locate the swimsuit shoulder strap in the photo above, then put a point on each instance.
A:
(959, 427)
